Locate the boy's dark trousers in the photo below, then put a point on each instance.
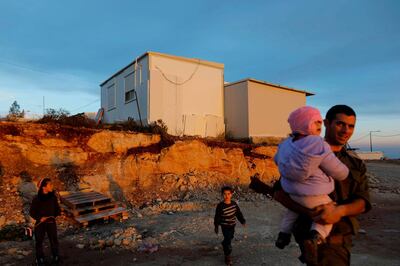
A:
(51, 229)
(228, 232)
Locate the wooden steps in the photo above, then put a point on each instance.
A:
(88, 205)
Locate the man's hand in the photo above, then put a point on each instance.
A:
(260, 187)
(329, 213)
(283, 198)
(216, 230)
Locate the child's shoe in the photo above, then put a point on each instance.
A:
(311, 248)
(228, 260)
(55, 260)
(283, 240)
(40, 262)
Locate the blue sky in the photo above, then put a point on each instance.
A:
(347, 52)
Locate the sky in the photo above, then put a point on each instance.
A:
(346, 52)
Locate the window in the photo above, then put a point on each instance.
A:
(111, 97)
(129, 81)
(129, 95)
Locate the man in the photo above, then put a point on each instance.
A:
(351, 196)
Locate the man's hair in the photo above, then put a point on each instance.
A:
(226, 188)
(339, 109)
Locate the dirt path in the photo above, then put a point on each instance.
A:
(187, 238)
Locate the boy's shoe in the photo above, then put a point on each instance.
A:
(283, 240)
(228, 260)
(55, 260)
(311, 248)
(40, 262)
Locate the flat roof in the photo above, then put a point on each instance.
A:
(192, 60)
(270, 84)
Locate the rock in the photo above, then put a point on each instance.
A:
(148, 247)
(126, 241)
(192, 180)
(268, 151)
(362, 231)
(26, 252)
(12, 251)
(118, 231)
(101, 243)
(117, 242)
(119, 142)
(2, 221)
(54, 142)
(186, 197)
(80, 246)
(110, 242)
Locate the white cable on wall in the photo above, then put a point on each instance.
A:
(180, 83)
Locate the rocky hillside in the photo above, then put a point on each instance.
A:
(134, 168)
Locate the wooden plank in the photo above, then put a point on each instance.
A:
(92, 198)
(83, 195)
(87, 200)
(99, 215)
(91, 203)
(91, 209)
(66, 193)
(74, 194)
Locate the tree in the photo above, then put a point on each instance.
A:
(15, 111)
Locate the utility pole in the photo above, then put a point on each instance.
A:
(43, 106)
(370, 138)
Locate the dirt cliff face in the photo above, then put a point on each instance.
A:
(132, 167)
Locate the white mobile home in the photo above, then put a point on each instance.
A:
(370, 155)
(186, 94)
(257, 109)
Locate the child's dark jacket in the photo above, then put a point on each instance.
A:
(44, 206)
(226, 214)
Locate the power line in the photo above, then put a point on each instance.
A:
(4, 62)
(387, 136)
(360, 138)
(83, 106)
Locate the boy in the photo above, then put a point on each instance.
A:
(225, 215)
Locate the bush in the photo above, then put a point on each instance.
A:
(61, 117)
(54, 114)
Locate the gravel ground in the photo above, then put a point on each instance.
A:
(187, 237)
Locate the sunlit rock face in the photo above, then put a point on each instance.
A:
(122, 165)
